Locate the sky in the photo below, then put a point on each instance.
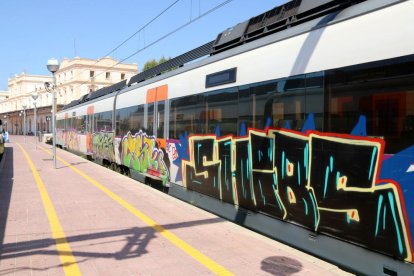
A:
(34, 31)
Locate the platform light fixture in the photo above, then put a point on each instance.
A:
(53, 67)
(5, 123)
(24, 121)
(35, 95)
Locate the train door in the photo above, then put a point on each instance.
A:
(156, 125)
(89, 129)
(156, 112)
(161, 122)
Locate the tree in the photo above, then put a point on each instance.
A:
(152, 63)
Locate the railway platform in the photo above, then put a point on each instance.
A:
(84, 219)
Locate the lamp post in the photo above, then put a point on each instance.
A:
(24, 121)
(5, 123)
(53, 66)
(21, 123)
(35, 96)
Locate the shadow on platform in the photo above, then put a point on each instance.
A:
(281, 265)
(137, 239)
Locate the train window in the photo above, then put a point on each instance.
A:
(220, 78)
(375, 99)
(150, 120)
(253, 108)
(89, 123)
(314, 98)
(288, 105)
(160, 119)
(222, 111)
(68, 124)
(187, 116)
(59, 124)
(79, 124)
(103, 121)
(129, 119)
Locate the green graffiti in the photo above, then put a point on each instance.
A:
(141, 153)
(103, 145)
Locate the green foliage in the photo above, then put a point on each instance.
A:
(152, 63)
(163, 59)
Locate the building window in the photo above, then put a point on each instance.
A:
(122, 76)
(108, 75)
(91, 74)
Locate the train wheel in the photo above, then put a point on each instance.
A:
(127, 172)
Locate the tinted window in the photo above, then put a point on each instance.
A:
(129, 119)
(150, 120)
(288, 105)
(79, 124)
(382, 92)
(160, 119)
(60, 124)
(222, 111)
(187, 115)
(103, 121)
(314, 98)
(255, 104)
(89, 123)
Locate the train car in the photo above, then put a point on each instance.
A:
(299, 123)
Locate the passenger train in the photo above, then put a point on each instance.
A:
(298, 123)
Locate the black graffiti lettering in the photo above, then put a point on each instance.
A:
(328, 184)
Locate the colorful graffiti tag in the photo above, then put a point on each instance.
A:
(103, 145)
(71, 140)
(177, 150)
(328, 183)
(141, 153)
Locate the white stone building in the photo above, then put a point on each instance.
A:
(75, 78)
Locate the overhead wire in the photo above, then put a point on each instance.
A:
(143, 27)
(129, 38)
(177, 29)
(169, 34)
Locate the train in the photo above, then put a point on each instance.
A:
(297, 123)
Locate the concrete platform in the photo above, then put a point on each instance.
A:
(113, 225)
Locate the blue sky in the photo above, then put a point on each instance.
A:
(33, 31)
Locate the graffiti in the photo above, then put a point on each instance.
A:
(177, 151)
(172, 153)
(328, 183)
(103, 145)
(141, 153)
(59, 137)
(89, 143)
(118, 149)
(71, 140)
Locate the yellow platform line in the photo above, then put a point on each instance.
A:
(191, 251)
(67, 259)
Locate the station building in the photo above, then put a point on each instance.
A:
(75, 78)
